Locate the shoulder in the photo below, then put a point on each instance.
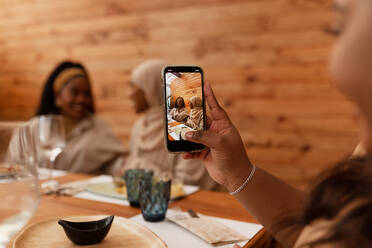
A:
(34, 119)
(33, 122)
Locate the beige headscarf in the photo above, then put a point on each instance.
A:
(196, 113)
(147, 77)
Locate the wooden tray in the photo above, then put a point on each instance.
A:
(123, 233)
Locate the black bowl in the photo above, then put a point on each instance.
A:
(87, 233)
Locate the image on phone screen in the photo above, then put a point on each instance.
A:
(184, 103)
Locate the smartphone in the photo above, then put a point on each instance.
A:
(184, 106)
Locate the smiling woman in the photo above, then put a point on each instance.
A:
(91, 146)
(68, 92)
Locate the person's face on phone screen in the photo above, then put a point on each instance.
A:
(180, 103)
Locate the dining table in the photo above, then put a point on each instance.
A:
(212, 203)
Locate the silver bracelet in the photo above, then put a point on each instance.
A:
(241, 187)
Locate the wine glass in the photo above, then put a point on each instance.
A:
(52, 138)
(19, 188)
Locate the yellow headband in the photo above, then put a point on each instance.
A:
(65, 76)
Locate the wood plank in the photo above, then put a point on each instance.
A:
(267, 61)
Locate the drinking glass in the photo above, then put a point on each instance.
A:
(19, 189)
(154, 198)
(132, 178)
(52, 138)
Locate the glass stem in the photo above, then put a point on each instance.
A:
(50, 168)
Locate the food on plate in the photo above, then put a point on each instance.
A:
(181, 130)
(118, 181)
(177, 190)
(122, 190)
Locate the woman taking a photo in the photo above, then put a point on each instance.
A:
(338, 211)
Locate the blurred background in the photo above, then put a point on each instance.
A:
(266, 59)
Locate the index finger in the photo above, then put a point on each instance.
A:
(217, 111)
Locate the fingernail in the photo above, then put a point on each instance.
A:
(189, 135)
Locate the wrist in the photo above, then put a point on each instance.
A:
(239, 177)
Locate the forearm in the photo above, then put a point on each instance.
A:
(269, 199)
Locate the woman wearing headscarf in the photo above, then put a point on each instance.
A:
(195, 119)
(179, 112)
(91, 146)
(147, 147)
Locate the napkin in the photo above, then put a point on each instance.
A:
(68, 189)
(210, 230)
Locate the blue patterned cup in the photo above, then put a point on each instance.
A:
(132, 178)
(154, 198)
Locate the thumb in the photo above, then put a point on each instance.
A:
(206, 138)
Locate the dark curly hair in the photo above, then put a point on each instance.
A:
(47, 104)
(349, 182)
(183, 102)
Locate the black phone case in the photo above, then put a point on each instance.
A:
(181, 145)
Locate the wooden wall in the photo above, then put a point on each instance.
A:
(266, 59)
(187, 86)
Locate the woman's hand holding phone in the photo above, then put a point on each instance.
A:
(227, 163)
(225, 157)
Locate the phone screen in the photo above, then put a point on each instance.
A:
(184, 105)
